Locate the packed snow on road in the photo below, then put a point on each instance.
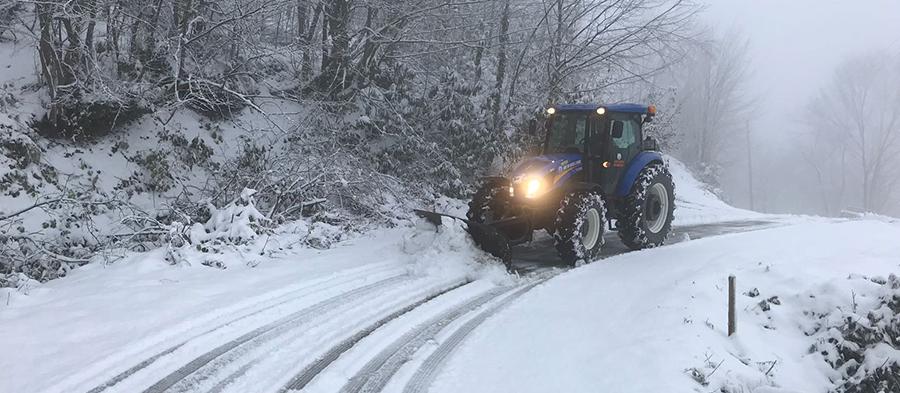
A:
(417, 308)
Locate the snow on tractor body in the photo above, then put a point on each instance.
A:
(596, 172)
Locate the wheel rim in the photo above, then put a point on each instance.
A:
(656, 210)
(593, 222)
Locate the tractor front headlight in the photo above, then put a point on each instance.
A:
(534, 187)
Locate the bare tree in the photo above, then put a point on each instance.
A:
(858, 116)
(713, 103)
(590, 45)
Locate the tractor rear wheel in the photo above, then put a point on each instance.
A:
(580, 224)
(645, 218)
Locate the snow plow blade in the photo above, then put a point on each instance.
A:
(486, 237)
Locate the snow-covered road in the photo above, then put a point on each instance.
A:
(540, 255)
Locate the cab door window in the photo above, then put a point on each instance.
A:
(624, 146)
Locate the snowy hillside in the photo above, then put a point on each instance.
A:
(695, 204)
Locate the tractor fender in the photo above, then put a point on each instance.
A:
(634, 169)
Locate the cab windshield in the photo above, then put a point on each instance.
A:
(567, 133)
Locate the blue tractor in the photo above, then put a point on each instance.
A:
(596, 172)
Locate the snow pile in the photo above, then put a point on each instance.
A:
(449, 250)
(696, 204)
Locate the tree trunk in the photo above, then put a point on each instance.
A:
(183, 13)
(325, 59)
(367, 63)
(49, 61)
(555, 93)
(501, 68)
(335, 72)
(302, 42)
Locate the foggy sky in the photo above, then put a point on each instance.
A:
(795, 47)
(796, 44)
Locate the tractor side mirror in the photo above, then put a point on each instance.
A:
(649, 144)
(618, 129)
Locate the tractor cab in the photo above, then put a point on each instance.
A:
(603, 137)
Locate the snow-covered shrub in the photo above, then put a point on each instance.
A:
(156, 174)
(46, 228)
(84, 119)
(323, 234)
(17, 149)
(211, 100)
(238, 222)
(66, 237)
(191, 153)
(9, 11)
(862, 344)
(320, 231)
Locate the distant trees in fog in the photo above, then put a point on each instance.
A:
(853, 145)
(711, 104)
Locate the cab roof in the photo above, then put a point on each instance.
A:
(623, 107)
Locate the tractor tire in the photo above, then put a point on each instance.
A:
(580, 225)
(645, 218)
(487, 203)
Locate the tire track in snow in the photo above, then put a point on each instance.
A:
(354, 275)
(424, 376)
(374, 376)
(312, 370)
(272, 329)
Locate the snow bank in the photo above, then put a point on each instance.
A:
(654, 321)
(695, 204)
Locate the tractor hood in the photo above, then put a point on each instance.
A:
(554, 168)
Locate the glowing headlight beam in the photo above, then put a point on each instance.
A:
(534, 187)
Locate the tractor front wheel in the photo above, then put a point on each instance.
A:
(580, 224)
(488, 203)
(646, 213)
